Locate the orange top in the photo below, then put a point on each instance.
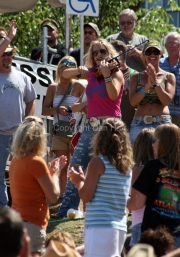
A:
(28, 198)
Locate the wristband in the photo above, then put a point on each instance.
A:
(108, 79)
(142, 91)
(7, 38)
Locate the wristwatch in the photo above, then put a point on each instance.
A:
(157, 85)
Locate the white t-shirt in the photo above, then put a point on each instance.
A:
(16, 90)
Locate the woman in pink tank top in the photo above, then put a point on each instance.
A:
(104, 93)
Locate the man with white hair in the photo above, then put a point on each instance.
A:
(171, 63)
(127, 23)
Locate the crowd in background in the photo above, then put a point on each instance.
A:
(126, 156)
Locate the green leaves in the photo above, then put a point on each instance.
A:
(153, 23)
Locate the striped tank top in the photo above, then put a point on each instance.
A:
(108, 205)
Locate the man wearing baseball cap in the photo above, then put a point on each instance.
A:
(91, 33)
(52, 42)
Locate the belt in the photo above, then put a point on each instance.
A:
(150, 119)
(95, 122)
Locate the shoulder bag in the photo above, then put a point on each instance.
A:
(63, 128)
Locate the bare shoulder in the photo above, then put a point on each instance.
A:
(79, 87)
(170, 75)
(97, 165)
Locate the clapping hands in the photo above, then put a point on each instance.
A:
(58, 164)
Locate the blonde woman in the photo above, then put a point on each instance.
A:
(32, 181)
(62, 145)
(104, 92)
(151, 91)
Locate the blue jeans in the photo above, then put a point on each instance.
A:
(135, 234)
(82, 157)
(5, 142)
(137, 126)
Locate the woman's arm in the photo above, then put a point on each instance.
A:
(79, 106)
(50, 183)
(114, 82)
(166, 95)
(47, 109)
(87, 185)
(136, 97)
(11, 34)
(131, 203)
(73, 72)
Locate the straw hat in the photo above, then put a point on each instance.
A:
(141, 250)
(57, 249)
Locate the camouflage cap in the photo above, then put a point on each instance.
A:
(152, 43)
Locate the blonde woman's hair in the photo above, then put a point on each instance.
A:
(142, 148)
(68, 58)
(112, 141)
(169, 145)
(30, 137)
(61, 237)
(90, 59)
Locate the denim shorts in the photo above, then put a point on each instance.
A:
(135, 234)
(137, 126)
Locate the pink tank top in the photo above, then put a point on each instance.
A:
(99, 103)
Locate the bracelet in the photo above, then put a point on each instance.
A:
(142, 91)
(7, 38)
(108, 79)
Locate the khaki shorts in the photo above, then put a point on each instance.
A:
(37, 236)
(61, 143)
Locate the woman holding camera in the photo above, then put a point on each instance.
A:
(151, 91)
(61, 145)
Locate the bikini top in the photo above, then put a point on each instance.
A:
(151, 96)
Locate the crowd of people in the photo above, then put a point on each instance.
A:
(127, 156)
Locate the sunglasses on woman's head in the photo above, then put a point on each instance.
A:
(101, 51)
(7, 54)
(155, 52)
(68, 63)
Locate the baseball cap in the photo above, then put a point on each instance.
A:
(49, 23)
(93, 26)
(152, 43)
(11, 48)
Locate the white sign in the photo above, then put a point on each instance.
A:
(41, 76)
(85, 7)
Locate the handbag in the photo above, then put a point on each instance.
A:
(62, 127)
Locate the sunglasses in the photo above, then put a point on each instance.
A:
(154, 140)
(101, 51)
(149, 52)
(89, 32)
(68, 63)
(7, 54)
(126, 22)
(172, 43)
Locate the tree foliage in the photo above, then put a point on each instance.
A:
(154, 23)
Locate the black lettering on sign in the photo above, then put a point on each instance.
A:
(42, 74)
(26, 69)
